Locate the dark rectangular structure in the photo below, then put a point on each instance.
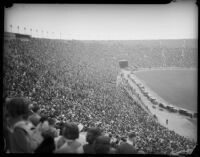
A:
(123, 64)
(23, 37)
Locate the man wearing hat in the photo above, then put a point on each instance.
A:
(127, 147)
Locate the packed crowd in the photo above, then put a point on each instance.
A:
(28, 131)
(145, 54)
(72, 82)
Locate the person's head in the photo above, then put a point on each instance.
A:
(123, 139)
(70, 131)
(102, 145)
(132, 136)
(43, 118)
(44, 123)
(17, 107)
(92, 134)
(52, 121)
(60, 126)
(47, 133)
(35, 108)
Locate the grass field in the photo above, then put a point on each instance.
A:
(178, 87)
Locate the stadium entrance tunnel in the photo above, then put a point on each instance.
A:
(123, 64)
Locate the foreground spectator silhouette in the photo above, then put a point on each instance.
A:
(19, 128)
(70, 144)
(37, 133)
(103, 146)
(128, 146)
(52, 127)
(35, 117)
(92, 134)
(5, 125)
(48, 144)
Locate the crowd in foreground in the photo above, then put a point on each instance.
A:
(81, 90)
(27, 131)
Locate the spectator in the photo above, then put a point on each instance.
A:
(82, 135)
(59, 141)
(84, 93)
(70, 134)
(35, 117)
(92, 134)
(48, 144)
(52, 128)
(5, 125)
(102, 146)
(60, 126)
(37, 133)
(127, 147)
(20, 130)
(122, 140)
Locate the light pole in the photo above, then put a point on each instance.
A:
(11, 28)
(18, 28)
(42, 33)
(36, 32)
(52, 35)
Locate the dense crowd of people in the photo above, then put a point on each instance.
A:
(147, 54)
(72, 83)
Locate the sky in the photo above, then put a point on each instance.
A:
(176, 20)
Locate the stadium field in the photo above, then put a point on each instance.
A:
(177, 87)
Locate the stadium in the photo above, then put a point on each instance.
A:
(92, 90)
(100, 79)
